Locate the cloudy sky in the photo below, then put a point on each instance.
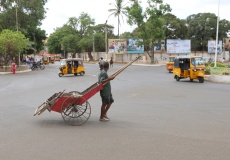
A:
(59, 11)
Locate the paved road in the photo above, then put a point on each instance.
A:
(153, 117)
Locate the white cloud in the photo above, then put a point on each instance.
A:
(59, 11)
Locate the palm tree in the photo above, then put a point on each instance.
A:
(118, 11)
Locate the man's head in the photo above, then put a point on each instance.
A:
(106, 65)
(101, 58)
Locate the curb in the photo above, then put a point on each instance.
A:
(3, 73)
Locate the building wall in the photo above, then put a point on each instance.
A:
(160, 57)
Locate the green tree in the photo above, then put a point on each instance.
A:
(150, 23)
(55, 40)
(126, 35)
(83, 27)
(11, 43)
(201, 28)
(70, 44)
(174, 27)
(25, 16)
(118, 11)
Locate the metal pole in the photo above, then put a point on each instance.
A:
(17, 31)
(106, 48)
(217, 30)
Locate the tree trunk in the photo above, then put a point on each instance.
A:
(152, 53)
(90, 56)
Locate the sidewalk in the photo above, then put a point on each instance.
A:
(3, 73)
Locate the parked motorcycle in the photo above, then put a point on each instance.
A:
(37, 65)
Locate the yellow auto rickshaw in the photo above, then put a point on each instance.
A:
(51, 59)
(57, 58)
(45, 60)
(71, 66)
(189, 67)
(170, 63)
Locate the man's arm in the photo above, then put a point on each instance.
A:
(108, 79)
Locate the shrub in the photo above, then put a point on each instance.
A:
(208, 70)
(218, 64)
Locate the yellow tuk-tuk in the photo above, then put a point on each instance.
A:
(189, 67)
(170, 63)
(71, 66)
(45, 60)
(57, 58)
(51, 59)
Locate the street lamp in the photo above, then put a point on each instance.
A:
(217, 30)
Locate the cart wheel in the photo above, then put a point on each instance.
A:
(82, 73)
(75, 114)
(201, 79)
(60, 74)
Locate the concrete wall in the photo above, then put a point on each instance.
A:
(160, 57)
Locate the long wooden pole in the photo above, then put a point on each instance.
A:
(122, 69)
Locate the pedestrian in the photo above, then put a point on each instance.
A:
(111, 62)
(101, 61)
(105, 93)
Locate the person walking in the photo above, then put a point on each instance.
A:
(101, 61)
(105, 93)
(111, 62)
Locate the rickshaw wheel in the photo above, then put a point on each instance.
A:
(81, 73)
(177, 78)
(60, 74)
(191, 80)
(75, 114)
(201, 79)
(75, 74)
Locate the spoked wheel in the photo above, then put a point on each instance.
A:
(73, 113)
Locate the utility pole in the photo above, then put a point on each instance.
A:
(16, 6)
(106, 46)
(217, 30)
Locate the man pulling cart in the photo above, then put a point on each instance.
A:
(74, 106)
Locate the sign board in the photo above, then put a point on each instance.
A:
(212, 47)
(135, 45)
(117, 46)
(178, 46)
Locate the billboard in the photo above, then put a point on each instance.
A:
(117, 46)
(212, 47)
(178, 46)
(135, 45)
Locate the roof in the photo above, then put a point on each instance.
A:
(188, 57)
(73, 59)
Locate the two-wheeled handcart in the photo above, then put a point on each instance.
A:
(74, 106)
